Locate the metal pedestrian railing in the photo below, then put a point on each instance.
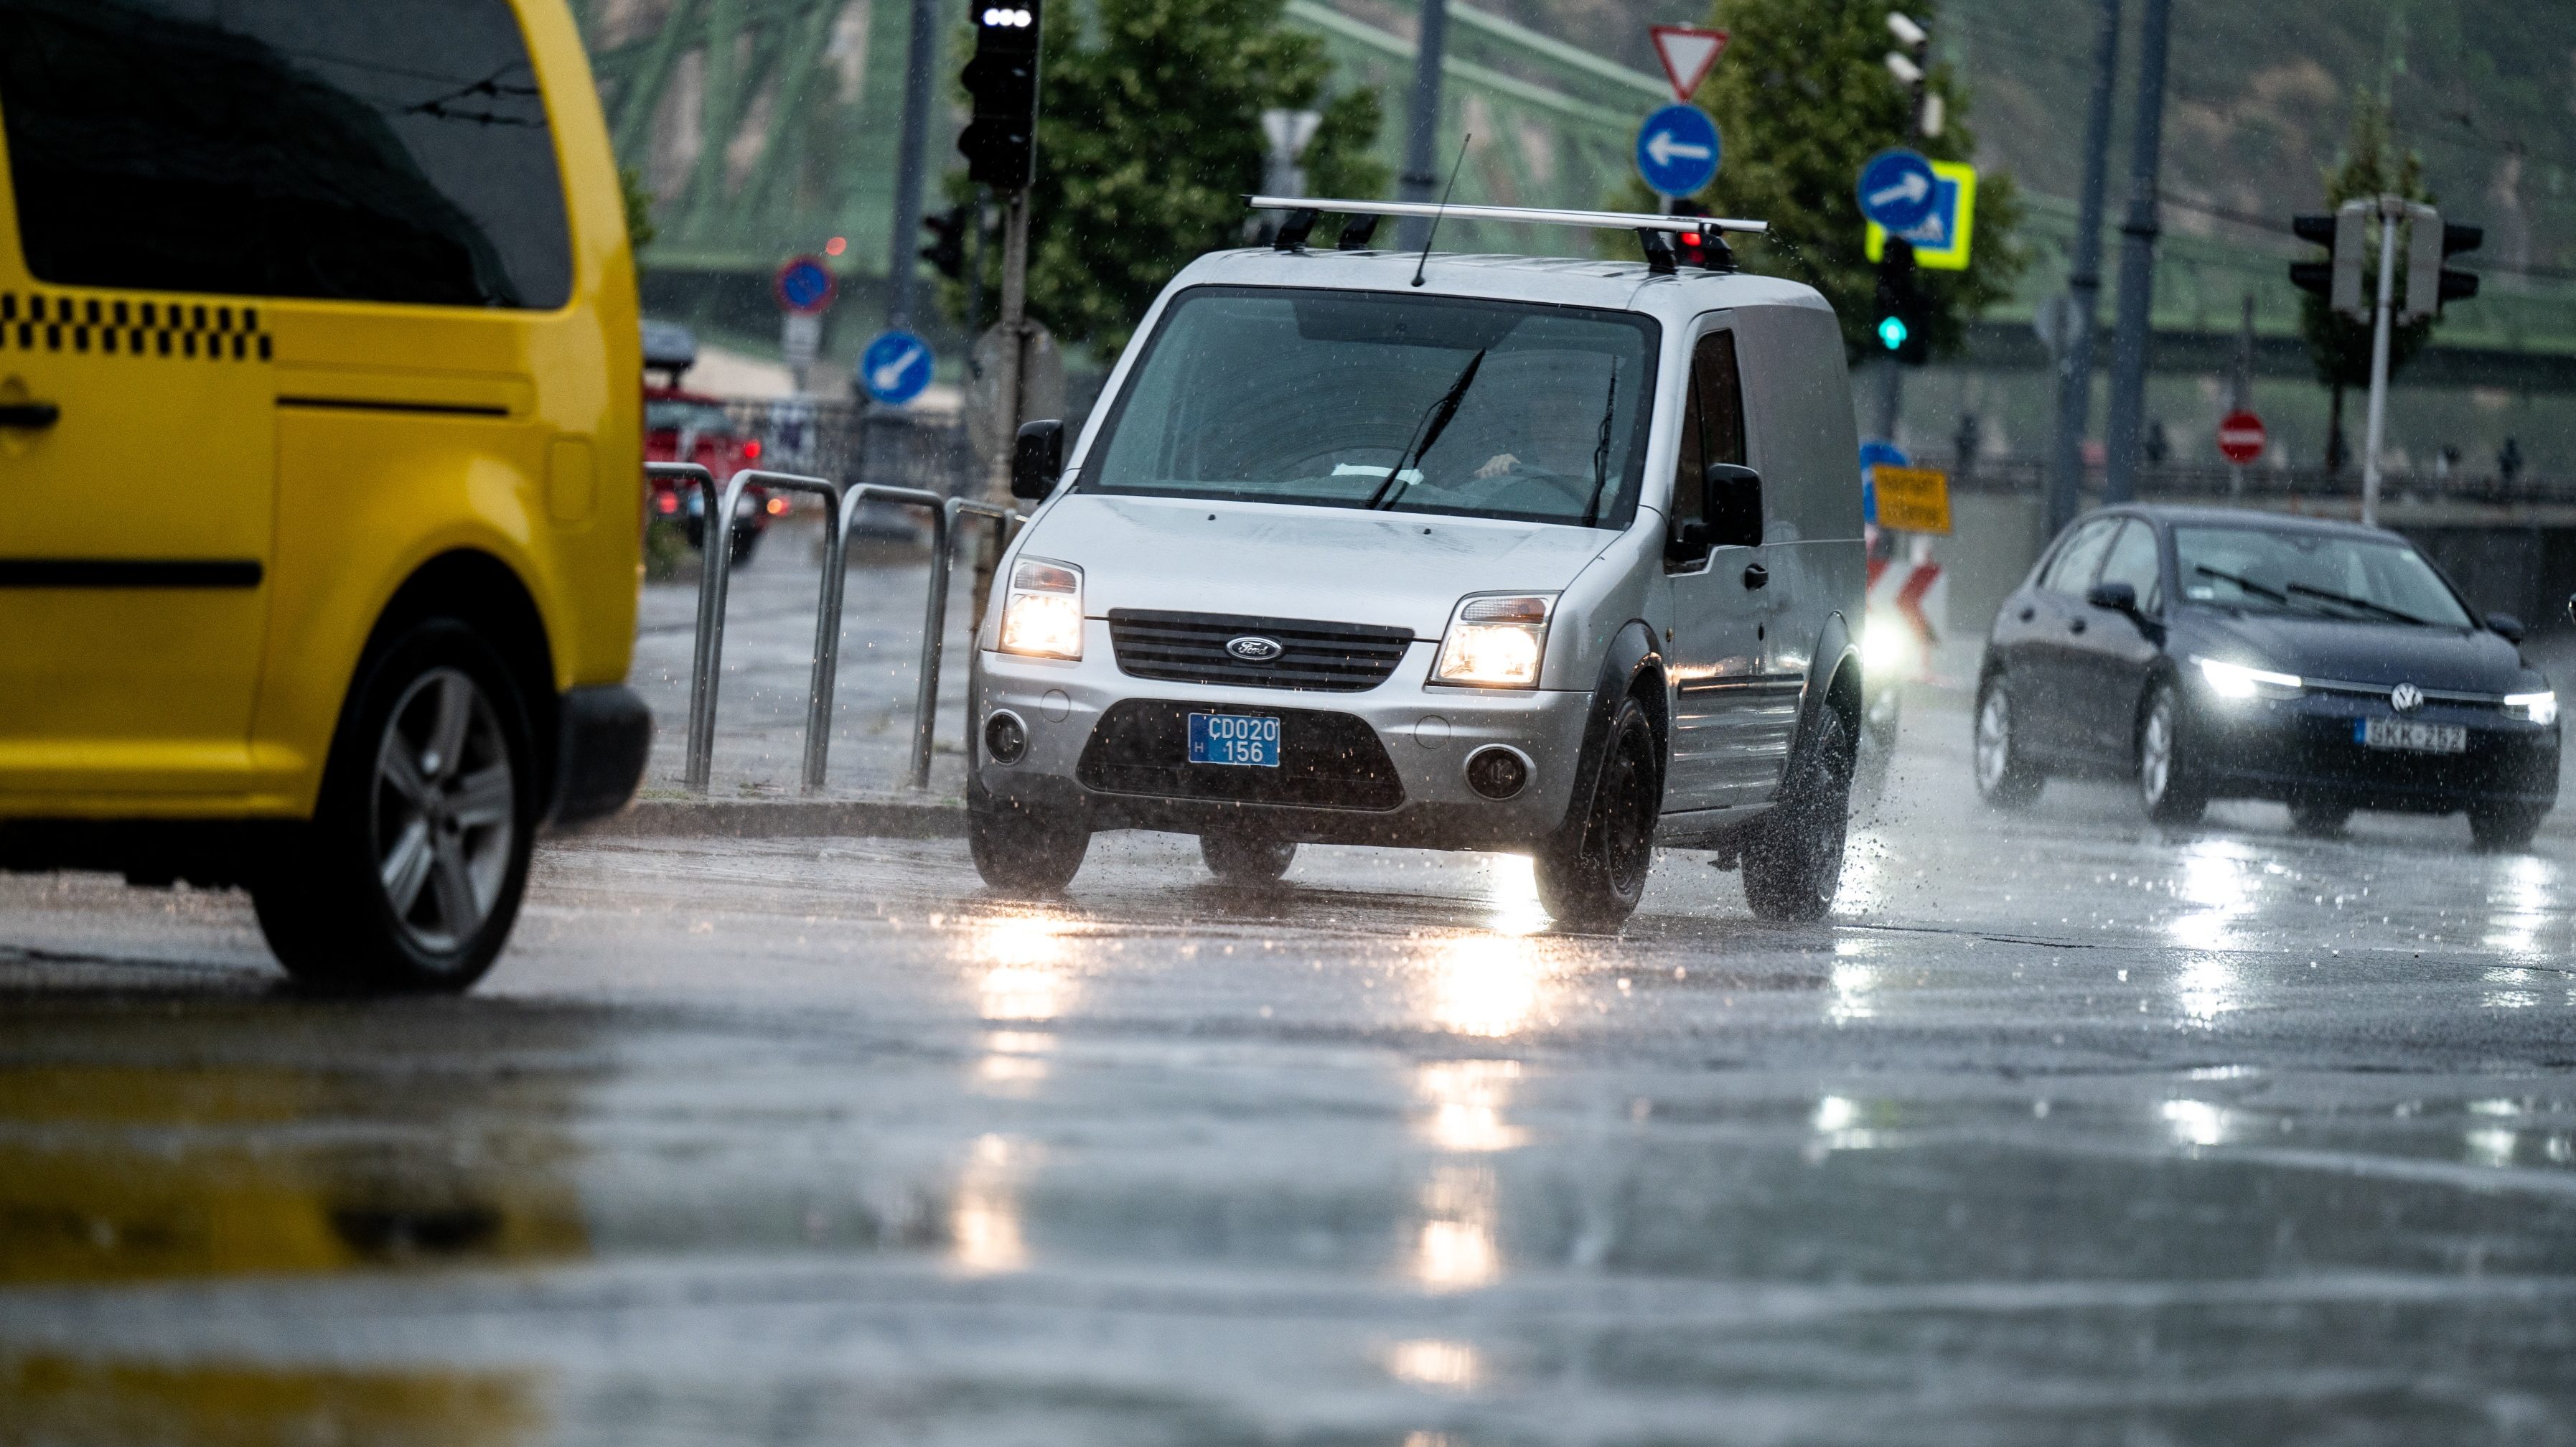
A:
(841, 504)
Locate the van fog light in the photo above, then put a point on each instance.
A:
(1006, 738)
(1497, 772)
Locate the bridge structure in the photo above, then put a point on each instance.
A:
(764, 128)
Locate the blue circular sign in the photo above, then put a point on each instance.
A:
(1898, 190)
(1678, 151)
(1873, 453)
(805, 285)
(895, 367)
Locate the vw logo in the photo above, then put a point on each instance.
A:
(2405, 698)
(1254, 650)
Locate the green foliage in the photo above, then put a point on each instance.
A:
(1149, 138)
(1802, 98)
(2338, 345)
(640, 229)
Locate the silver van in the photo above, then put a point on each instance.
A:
(1556, 557)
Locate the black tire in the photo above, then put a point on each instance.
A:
(2503, 827)
(746, 541)
(2319, 818)
(408, 877)
(2006, 777)
(2170, 787)
(1593, 879)
(1794, 867)
(1023, 850)
(1246, 859)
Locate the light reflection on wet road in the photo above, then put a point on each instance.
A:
(2070, 1132)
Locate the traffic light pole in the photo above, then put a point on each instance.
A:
(921, 56)
(2390, 208)
(2084, 285)
(2130, 341)
(1012, 385)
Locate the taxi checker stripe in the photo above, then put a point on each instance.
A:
(183, 331)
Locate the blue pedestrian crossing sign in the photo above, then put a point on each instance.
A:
(1897, 188)
(1678, 151)
(1940, 238)
(895, 367)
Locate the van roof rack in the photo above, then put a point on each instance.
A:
(1654, 232)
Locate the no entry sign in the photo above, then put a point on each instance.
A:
(2241, 437)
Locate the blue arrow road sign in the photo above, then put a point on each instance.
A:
(895, 367)
(1872, 454)
(1678, 150)
(1898, 189)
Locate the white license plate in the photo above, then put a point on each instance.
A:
(2400, 733)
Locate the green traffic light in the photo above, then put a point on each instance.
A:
(1891, 332)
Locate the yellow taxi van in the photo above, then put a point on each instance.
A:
(320, 528)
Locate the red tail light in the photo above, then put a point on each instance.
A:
(751, 450)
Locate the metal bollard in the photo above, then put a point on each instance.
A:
(935, 622)
(925, 707)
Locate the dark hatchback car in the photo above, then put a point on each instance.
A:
(2211, 654)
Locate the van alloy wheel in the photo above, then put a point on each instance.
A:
(445, 810)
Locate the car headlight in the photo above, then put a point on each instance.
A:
(2539, 708)
(1042, 615)
(1495, 642)
(2235, 680)
(1886, 651)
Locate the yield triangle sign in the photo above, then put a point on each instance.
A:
(1687, 52)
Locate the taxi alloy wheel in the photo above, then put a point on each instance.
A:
(1595, 880)
(409, 875)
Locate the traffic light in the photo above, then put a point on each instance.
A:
(947, 248)
(2428, 285)
(1000, 143)
(2344, 233)
(1902, 321)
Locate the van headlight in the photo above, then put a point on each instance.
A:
(1887, 651)
(2539, 708)
(1495, 642)
(2235, 680)
(1042, 615)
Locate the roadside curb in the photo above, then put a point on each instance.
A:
(881, 817)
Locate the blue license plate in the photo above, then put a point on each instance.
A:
(1234, 738)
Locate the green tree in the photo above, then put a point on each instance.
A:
(2338, 345)
(1149, 138)
(1802, 99)
(640, 229)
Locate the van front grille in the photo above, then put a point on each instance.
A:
(1192, 648)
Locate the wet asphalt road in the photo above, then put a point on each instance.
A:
(2062, 1131)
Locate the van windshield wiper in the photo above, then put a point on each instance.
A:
(1601, 452)
(2367, 606)
(1426, 432)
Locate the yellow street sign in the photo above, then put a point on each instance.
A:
(1912, 499)
(1941, 240)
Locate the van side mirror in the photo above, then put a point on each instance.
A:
(1731, 505)
(2506, 626)
(1037, 459)
(2117, 597)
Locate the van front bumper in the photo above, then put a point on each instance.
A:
(1393, 757)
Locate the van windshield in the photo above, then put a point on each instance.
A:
(1375, 400)
(2322, 575)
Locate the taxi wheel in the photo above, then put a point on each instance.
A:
(2169, 783)
(408, 877)
(1595, 883)
(2006, 778)
(1794, 870)
(1023, 850)
(2505, 826)
(1244, 859)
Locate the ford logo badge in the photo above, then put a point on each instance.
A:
(2405, 698)
(1255, 650)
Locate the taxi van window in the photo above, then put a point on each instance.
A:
(1712, 420)
(1367, 400)
(392, 151)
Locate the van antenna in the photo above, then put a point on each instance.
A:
(1434, 228)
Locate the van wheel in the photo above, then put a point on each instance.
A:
(409, 875)
(1793, 870)
(2006, 778)
(1244, 859)
(1021, 849)
(1595, 880)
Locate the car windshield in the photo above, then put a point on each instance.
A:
(671, 415)
(2325, 575)
(1365, 399)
